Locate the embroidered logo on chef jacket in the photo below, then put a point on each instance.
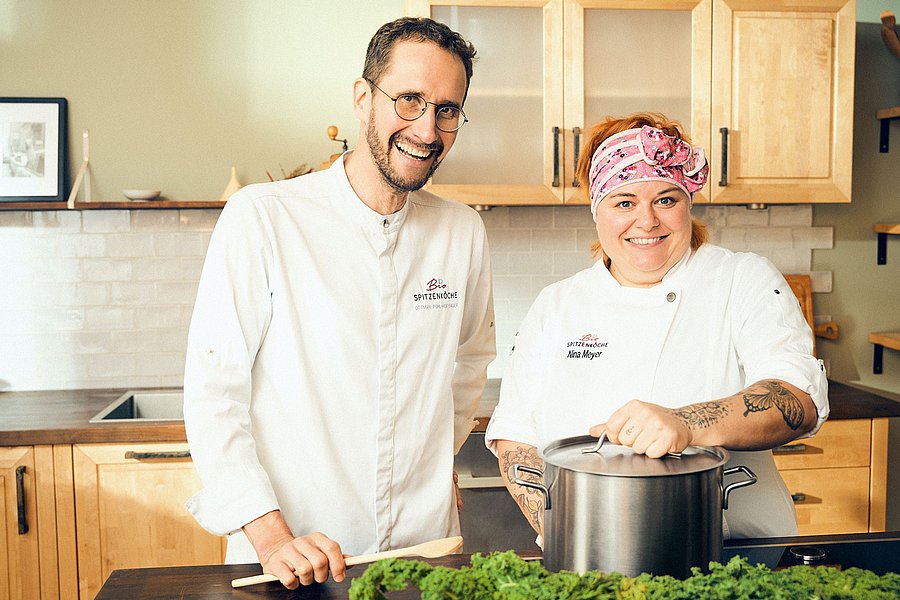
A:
(587, 346)
(435, 295)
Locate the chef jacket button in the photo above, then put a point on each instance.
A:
(670, 296)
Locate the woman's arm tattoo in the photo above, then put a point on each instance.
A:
(702, 414)
(531, 501)
(764, 395)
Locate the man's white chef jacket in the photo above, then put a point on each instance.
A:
(718, 322)
(335, 360)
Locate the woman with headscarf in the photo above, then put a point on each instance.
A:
(667, 341)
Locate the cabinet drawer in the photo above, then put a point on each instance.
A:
(837, 444)
(835, 500)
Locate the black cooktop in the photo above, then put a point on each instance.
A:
(877, 552)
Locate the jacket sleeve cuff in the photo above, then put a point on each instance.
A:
(225, 508)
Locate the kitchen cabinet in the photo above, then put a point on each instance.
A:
(782, 101)
(776, 77)
(545, 69)
(130, 511)
(838, 478)
(31, 564)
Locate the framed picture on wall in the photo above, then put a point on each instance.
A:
(33, 164)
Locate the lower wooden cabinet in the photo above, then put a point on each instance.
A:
(839, 477)
(30, 568)
(130, 511)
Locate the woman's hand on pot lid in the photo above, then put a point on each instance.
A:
(646, 428)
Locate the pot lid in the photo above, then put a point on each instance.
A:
(621, 461)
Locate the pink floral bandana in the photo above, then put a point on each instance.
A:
(645, 154)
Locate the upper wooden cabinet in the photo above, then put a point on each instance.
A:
(777, 76)
(783, 88)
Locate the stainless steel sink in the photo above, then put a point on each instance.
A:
(143, 405)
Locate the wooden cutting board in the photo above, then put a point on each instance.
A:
(802, 288)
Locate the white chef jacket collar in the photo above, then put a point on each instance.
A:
(671, 278)
(366, 216)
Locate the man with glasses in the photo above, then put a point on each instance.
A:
(342, 331)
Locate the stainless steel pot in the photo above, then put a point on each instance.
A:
(615, 510)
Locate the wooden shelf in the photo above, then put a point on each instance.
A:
(114, 205)
(886, 115)
(883, 230)
(882, 340)
(147, 204)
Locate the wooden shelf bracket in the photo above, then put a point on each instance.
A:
(880, 341)
(882, 230)
(886, 116)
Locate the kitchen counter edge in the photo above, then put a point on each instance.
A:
(62, 416)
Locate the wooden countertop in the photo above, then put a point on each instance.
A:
(213, 582)
(61, 416)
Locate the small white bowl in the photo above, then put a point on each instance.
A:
(141, 194)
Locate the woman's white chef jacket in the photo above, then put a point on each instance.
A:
(335, 361)
(718, 322)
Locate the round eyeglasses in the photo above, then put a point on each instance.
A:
(409, 107)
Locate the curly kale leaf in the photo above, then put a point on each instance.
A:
(505, 576)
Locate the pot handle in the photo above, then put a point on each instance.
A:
(536, 486)
(737, 484)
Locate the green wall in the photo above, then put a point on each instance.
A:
(174, 92)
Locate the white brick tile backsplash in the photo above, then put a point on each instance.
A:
(821, 281)
(533, 217)
(509, 240)
(769, 238)
(585, 239)
(496, 218)
(105, 297)
(198, 220)
(131, 292)
(791, 215)
(58, 220)
(154, 220)
(791, 260)
(107, 270)
(815, 238)
(176, 292)
(179, 244)
(530, 263)
(109, 317)
(128, 245)
(553, 239)
(513, 286)
(572, 217)
(85, 245)
(739, 216)
(500, 263)
(13, 219)
(735, 239)
(106, 221)
(569, 263)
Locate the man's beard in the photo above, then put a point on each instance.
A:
(380, 154)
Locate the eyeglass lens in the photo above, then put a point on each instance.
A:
(410, 107)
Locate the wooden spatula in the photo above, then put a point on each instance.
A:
(432, 549)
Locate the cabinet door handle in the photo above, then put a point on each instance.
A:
(555, 157)
(723, 182)
(576, 133)
(20, 499)
(798, 497)
(158, 455)
(790, 449)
